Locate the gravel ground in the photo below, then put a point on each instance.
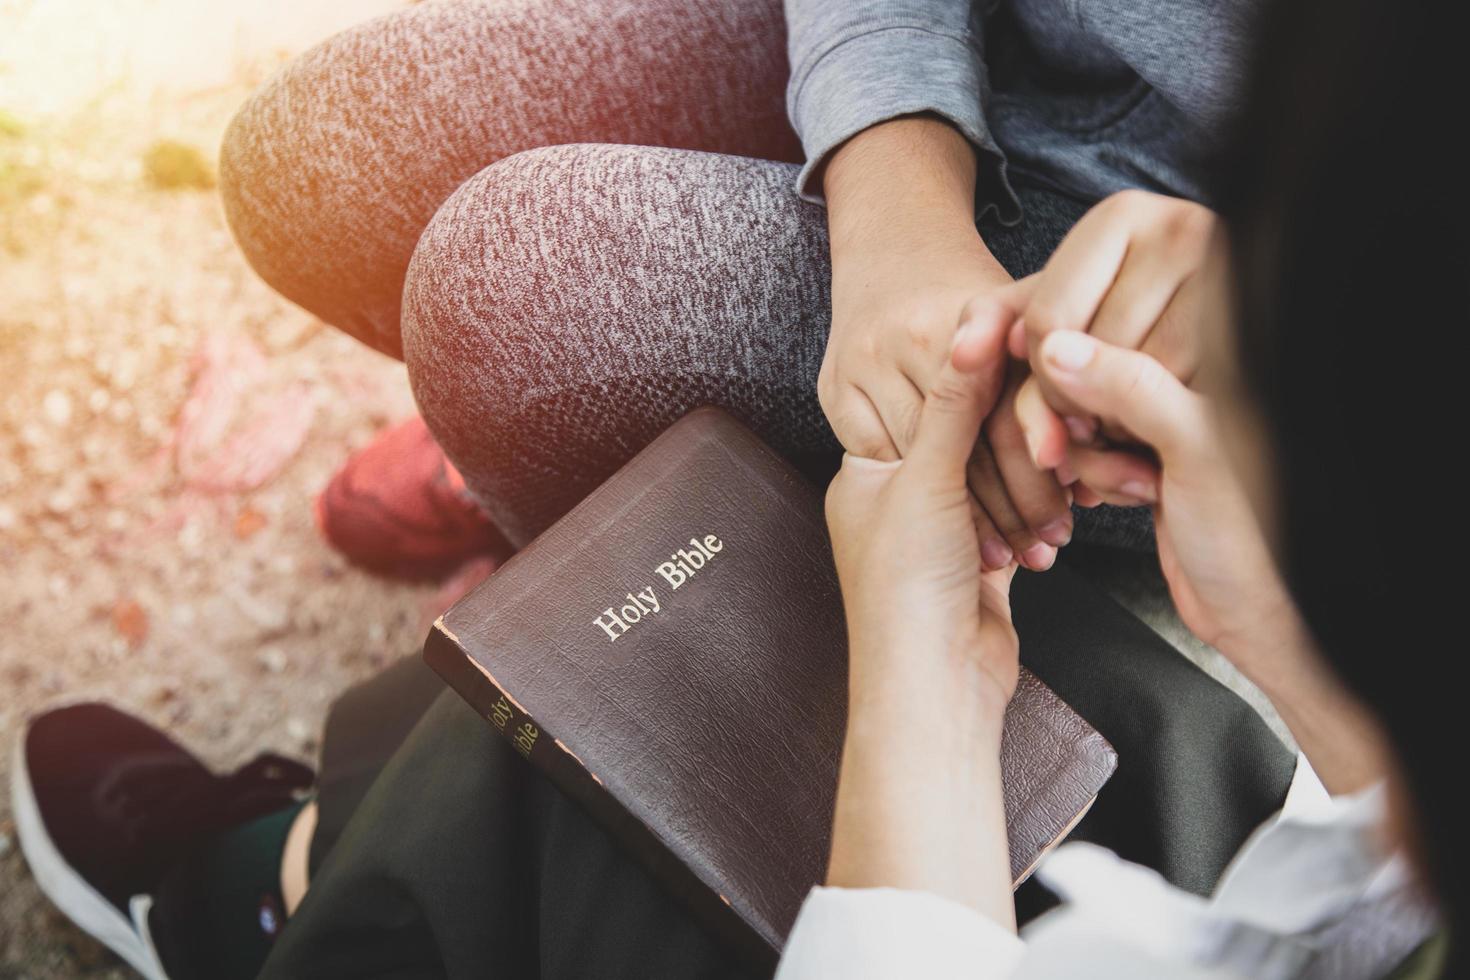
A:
(165, 421)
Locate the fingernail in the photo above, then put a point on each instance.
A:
(1140, 490)
(1057, 533)
(1069, 350)
(1038, 557)
(1081, 430)
(995, 553)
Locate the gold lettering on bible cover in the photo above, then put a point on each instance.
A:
(500, 713)
(525, 738)
(682, 565)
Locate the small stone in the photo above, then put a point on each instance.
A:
(8, 518)
(248, 522)
(269, 616)
(298, 730)
(56, 406)
(98, 400)
(273, 659)
(191, 536)
(124, 372)
(61, 502)
(130, 620)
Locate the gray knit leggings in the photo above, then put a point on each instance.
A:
(573, 219)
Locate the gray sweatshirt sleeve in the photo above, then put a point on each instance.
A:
(855, 63)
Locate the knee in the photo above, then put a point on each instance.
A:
(517, 311)
(321, 186)
(563, 267)
(494, 295)
(270, 164)
(593, 250)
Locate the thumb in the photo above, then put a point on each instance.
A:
(960, 398)
(1126, 387)
(1003, 306)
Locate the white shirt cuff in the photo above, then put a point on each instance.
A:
(1316, 858)
(865, 933)
(1306, 796)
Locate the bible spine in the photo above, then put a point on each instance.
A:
(570, 774)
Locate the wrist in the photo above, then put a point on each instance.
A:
(1275, 651)
(920, 806)
(1331, 727)
(915, 172)
(940, 692)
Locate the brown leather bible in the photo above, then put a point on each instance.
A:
(672, 654)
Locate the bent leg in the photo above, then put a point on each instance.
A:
(331, 171)
(569, 303)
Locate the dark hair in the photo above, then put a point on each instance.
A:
(1346, 195)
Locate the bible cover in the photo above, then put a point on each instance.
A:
(672, 654)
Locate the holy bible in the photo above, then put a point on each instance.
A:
(672, 654)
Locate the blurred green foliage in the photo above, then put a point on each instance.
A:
(171, 165)
(19, 175)
(10, 125)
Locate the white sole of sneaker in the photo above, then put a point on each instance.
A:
(68, 890)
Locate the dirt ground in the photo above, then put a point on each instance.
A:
(165, 422)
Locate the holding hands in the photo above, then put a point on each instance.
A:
(925, 627)
(1112, 330)
(906, 261)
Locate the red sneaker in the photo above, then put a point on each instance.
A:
(399, 508)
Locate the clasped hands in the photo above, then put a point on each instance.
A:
(1105, 340)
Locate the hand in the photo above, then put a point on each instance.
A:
(1129, 274)
(906, 262)
(932, 657)
(1213, 552)
(1222, 578)
(908, 554)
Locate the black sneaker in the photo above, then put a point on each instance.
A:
(105, 805)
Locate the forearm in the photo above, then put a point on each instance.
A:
(920, 803)
(1337, 735)
(856, 64)
(915, 172)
